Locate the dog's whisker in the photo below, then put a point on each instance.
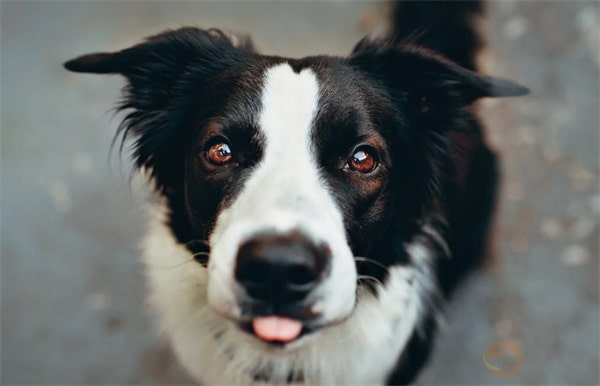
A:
(201, 241)
(362, 259)
(369, 278)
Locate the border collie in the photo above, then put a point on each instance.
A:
(315, 213)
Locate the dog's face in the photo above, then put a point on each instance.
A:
(287, 190)
(291, 174)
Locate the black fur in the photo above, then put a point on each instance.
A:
(408, 97)
(448, 27)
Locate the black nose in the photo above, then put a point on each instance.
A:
(280, 270)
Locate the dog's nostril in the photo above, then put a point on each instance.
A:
(300, 275)
(280, 268)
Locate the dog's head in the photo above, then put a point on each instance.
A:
(298, 178)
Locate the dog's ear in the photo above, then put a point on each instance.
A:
(154, 66)
(157, 71)
(417, 70)
(436, 93)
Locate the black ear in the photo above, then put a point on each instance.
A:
(154, 66)
(174, 46)
(418, 70)
(157, 70)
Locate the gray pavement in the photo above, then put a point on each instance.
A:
(71, 286)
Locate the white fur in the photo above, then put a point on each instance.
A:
(285, 192)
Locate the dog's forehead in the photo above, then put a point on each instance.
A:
(289, 103)
(320, 98)
(319, 93)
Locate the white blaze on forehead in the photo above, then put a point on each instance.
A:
(289, 169)
(289, 105)
(285, 192)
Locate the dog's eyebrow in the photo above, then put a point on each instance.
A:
(246, 129)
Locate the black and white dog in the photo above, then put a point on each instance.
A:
(315, 213)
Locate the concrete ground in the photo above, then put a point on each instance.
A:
(71, 285)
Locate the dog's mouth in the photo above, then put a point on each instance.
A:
(276, 330)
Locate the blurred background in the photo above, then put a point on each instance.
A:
(72, 290)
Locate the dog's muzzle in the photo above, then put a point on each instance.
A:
(278, 277)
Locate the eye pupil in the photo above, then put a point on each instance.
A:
(219, 154)
(362, 161)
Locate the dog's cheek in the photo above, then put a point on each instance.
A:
(368, 210)
(221, 284)
(339, 291)
(374, 220)
(205, 194)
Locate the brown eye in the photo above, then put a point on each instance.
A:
(362, 161)
(219, 154)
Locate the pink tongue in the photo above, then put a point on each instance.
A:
(276, 328)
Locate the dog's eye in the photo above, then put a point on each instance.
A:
(362, 161)
(219, 154)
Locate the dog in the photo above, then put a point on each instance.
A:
(315, 214)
